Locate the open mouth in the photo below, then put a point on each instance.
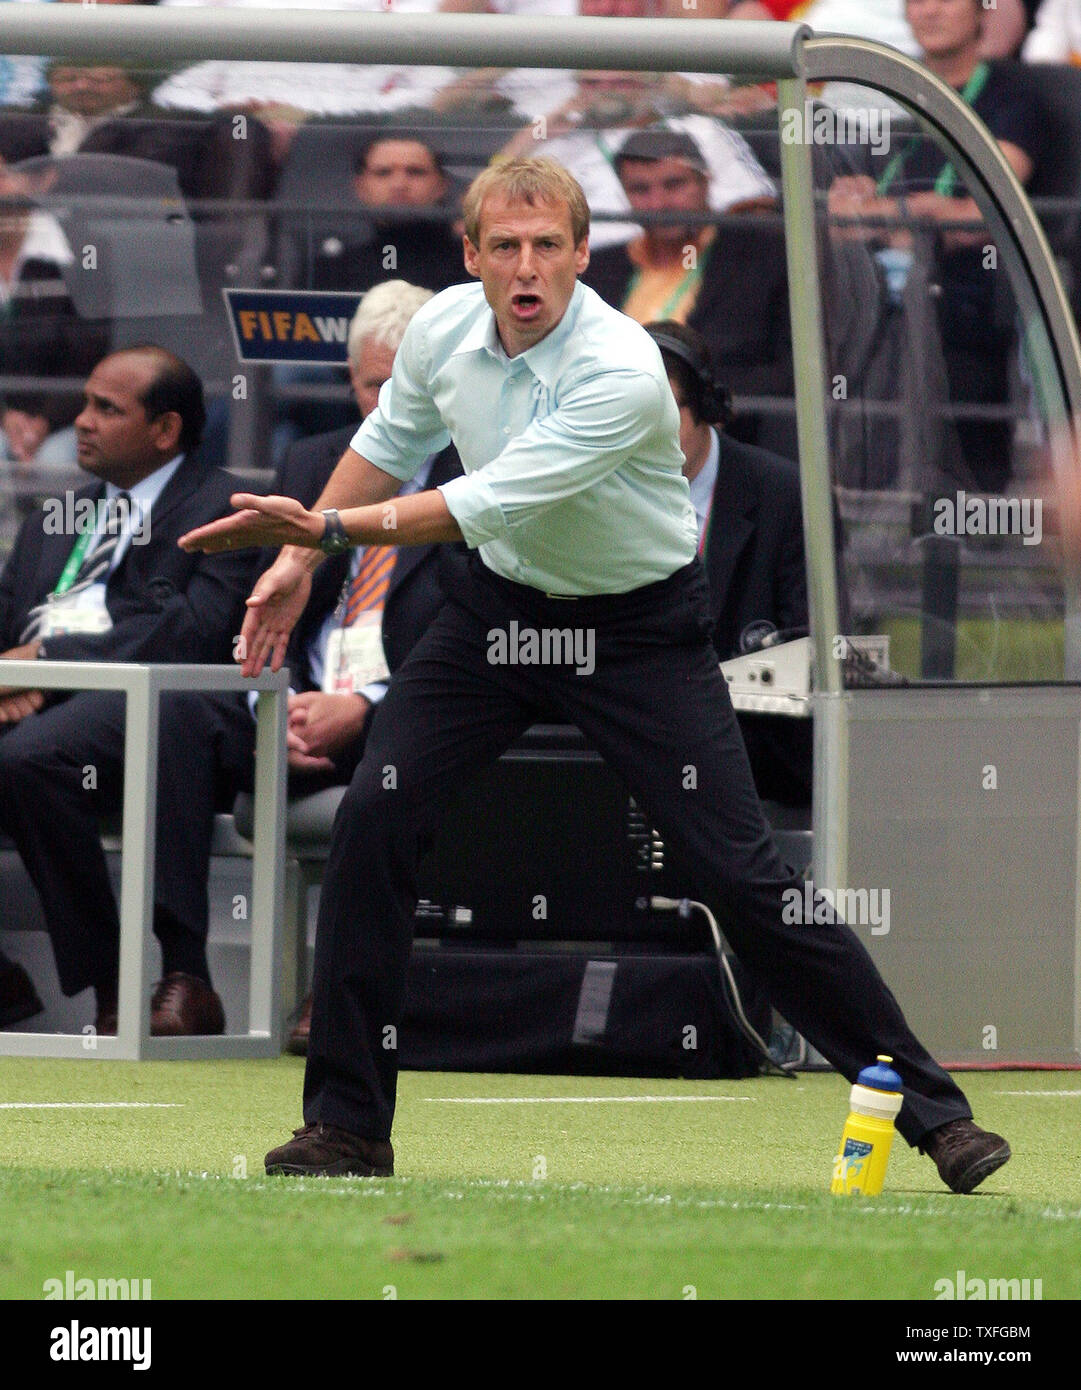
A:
(526, 305)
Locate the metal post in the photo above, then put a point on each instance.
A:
(808, 351)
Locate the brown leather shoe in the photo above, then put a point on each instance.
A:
(321, 1151)
(18, 997)
(964, 1154)
(183, 1006)
(298, 1038)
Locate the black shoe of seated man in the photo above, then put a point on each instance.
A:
(18, 997)
(321, 1151)
(964, 1154)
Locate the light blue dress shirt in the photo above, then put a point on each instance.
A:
(144, 494)
(704, 481)
(574, 480)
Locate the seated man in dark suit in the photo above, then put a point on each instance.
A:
(103, 109)
(395, 175)
(751, 541)
(727, 281)
(96, 575)
(394, 592)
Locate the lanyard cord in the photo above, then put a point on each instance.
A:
(688, 282)
(947, 179)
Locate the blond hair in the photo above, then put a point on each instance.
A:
(531, 180)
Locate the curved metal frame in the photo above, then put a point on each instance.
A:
(1049, 330)
(789, 53)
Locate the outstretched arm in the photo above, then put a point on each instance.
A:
(279, 596)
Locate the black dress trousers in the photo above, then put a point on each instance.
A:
(62, 769)
(656, 706)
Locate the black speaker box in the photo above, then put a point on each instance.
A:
(611, 1015)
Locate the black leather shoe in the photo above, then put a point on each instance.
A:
(964, 1154)
(321, 1151)
(18, 997)
(183, 1006)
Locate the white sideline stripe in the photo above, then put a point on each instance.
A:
(91, 1105)
(571, 1100)
(1039, 1093)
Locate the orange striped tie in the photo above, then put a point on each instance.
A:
(368, 591)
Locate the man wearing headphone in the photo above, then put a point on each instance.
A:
(750, 529)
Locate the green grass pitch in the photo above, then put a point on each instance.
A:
(520, 1187)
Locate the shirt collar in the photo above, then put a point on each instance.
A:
(542, 358)
(147, 491)
(702, 484)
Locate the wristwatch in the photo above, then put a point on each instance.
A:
(335, 540)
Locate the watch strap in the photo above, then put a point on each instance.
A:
(335, 538)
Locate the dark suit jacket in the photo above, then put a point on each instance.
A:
(741, 312)
(427, 254)
(209, 161)
(756, 569)
(754, 552)
(414, 596)
(166, 605)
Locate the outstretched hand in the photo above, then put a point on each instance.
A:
(257, 521)
(274, 608)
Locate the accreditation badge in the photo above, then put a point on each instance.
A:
(84, 612)
(355, 656)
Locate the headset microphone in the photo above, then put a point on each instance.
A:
(715, 400)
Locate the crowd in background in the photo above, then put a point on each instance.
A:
(129, 199)
(359, 169)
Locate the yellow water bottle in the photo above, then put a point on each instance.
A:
(860, 1165)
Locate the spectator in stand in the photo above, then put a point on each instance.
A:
(884, 21)
(586, 134)
(917, 188)
(284, 95)
(41, 333)
(22, 76)
(707, 276)
(397, 175)
(531, 92)
(103, 109)
(1056, 37)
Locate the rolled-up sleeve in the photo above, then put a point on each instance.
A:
(405, 428)
(596, 425)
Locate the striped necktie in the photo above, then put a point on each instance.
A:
(95, 566)
(368, 591)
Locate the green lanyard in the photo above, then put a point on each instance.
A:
(947, 179)
(689, 281)
(74, 564)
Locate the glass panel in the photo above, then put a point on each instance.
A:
(945, 398)
(132, 199)
(135, 198)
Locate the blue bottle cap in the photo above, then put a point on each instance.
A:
(880, 1077)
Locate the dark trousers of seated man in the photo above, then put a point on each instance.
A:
(657, 708)
(61, 770)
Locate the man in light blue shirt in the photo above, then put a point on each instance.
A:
(584, 595)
